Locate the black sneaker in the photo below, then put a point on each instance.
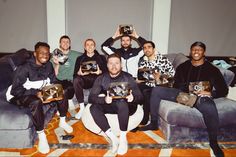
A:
(150, 126)
(217, 150)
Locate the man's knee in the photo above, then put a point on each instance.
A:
(69, 92)
(206, 105)
(34, 100)
(94, 108)
(122, 106)
(35, 103)
(77, 81)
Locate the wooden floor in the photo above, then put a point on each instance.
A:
(85, 143)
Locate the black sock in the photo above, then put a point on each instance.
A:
(216, 149)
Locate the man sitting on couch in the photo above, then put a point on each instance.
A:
(202, 79)
(25, 91)
(153, 70)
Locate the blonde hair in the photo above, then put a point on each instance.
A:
(90, 39)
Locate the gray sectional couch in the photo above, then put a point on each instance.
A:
(184, 124)
(16, 127)
(178, 123)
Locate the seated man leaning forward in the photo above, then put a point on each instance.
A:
(204, 81)
(25, 91)
(114, 92)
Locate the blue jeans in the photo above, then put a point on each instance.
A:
(205, 105)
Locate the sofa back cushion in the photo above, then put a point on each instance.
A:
(8, 65)
(176, 59)
(6, 75)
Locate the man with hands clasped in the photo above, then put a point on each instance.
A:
(87, 68)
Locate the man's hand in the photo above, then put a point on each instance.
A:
(117, 33)
(40, 96)
(80, 72)
(55, 60)
(108, 99)
(130, 97)
(157, 76)
(203, 93)
(139, 81)
(134, 34)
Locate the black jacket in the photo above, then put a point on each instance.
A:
(186, 73)
(130, 57)
(29, 78)
(100, 59)
(102, 84)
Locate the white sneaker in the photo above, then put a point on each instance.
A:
(81, 110)
(71, 104)
(64, 125)
(123, 144)
(114, 140)
(43, 146)
(123, 147)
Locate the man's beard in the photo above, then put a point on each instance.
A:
(126, 47)
(115, 73)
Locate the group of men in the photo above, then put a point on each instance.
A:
(144, 70)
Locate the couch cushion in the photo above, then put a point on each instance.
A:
(9, 63)
(6, 75)
(177, 114)
(176, 59)
(12, 117)
(89, 123)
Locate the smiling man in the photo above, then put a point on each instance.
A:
(195, 71)
(123, 106)
(129, 55)
(87, 68)
(158, 66)
(25, 92)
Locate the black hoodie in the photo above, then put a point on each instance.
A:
(186, 73)
(100, 59)
(29, 78)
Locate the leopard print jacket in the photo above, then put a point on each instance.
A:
(160, 63)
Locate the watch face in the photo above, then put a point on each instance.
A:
(62, 58)
(119, 90)
(199, 86)
(89, 66)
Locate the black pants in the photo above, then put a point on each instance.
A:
(36, 108)
(82, 82)
(205, 105)
(68, 88)
(233, 69)
(121, 108)
(146, 91)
